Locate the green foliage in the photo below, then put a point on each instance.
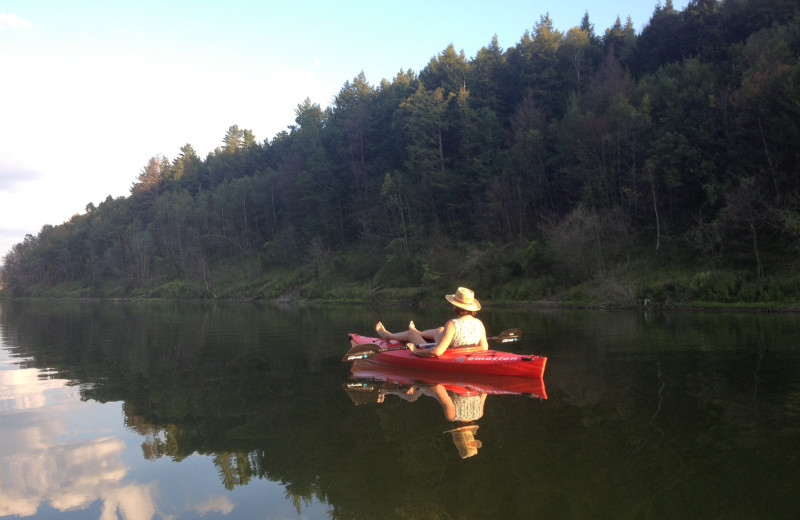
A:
(520, 171)
(526, 289)
(716, 286)
(398, 269)
(723, 287)
(178, 290)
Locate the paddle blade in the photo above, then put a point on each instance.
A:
(361, 352)
(508, 336)
(362, 392)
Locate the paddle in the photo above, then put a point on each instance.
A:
(370, 350)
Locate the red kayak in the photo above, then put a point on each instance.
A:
(468, 360)
(366, 371)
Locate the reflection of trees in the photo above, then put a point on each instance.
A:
(303, 494)
(234, 469)
(158, 443)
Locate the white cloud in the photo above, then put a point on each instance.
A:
(13, 21)
(12, 176)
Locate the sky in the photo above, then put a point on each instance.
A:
(90, 90)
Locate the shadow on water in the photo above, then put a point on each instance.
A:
(652, 416)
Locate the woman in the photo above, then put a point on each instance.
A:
(463, 331)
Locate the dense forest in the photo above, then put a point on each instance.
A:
(616, 166)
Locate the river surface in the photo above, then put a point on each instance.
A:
(187, 410)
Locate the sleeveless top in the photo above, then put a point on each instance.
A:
(468, 333)
(468, 407)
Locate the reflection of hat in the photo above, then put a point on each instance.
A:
(465, 299)
(464, 439)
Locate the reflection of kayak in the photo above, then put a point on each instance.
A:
(467, 360)
(367, 371)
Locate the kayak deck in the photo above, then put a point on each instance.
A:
(470, 360)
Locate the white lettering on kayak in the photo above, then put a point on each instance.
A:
(494, 358)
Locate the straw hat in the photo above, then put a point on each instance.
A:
(464, 439)
(465, 299)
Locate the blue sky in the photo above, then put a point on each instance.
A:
(92, 89)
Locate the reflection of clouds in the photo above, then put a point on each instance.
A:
(219, 504)
(131, 502)
(71, 477)
(44, 460)
(21, 389)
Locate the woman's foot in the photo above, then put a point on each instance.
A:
(381, 330)
(411, 326)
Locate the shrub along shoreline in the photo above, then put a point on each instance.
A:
(624, 287)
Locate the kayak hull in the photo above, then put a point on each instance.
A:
(366, 371)
(462, 360)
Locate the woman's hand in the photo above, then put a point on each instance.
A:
(419, 351)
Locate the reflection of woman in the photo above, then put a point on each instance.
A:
(466, 330)
(463, 409)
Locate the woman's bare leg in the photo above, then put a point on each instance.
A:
(411, 335)
(431, 335)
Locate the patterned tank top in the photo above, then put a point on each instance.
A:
(468, 332)
(468, 407)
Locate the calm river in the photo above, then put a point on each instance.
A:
(178, 410)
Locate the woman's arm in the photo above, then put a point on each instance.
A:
(448, 407)
(484, 343)
(444, 341)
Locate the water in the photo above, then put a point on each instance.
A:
(178, 410)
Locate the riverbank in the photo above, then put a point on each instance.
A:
(373, 300)
(645, 284)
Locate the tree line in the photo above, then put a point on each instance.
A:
(557, 158)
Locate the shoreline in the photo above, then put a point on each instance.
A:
(753, 308)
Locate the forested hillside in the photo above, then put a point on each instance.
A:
(663, 165)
